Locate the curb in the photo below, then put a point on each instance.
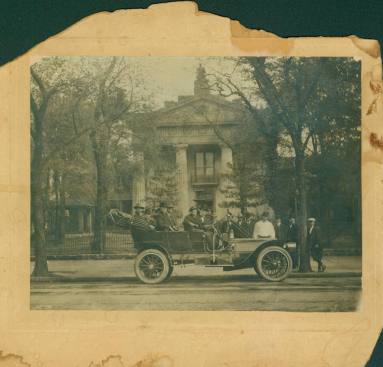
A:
(62, 279)
(343, 274)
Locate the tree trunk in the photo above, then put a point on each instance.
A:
(100, 156)
(59, 207)
(56, 184)
(62, 226)
(37, 206)
(303, 250)
(272, 176)
(324, 210)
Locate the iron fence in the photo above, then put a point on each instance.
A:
(74, 244)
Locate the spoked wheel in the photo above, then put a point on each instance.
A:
(273, 263)
(170, 272)
(152, 266)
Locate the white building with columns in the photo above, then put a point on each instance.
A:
(197, 126)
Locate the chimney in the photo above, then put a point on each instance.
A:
(201, 84)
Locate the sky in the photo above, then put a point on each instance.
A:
(164, 78)
(169, 77)
(155, 79)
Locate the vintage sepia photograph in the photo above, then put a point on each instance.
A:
(196, 183)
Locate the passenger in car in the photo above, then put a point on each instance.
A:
(209, 217)
(150, 217)
(172, 217)
(264, 229)
(139, 221)
(192, 221)
(164, 222)
(206, 218)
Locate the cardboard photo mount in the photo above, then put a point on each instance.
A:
(167, 338)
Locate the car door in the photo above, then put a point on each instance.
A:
(179, 241)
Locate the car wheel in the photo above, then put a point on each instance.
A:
(273, 263)
(171, 268)
(152, 266)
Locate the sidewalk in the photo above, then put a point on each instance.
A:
(122, 269)
(130, 253)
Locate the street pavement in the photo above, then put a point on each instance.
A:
(111, 285)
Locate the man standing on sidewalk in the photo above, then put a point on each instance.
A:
(292, 236)
(292, 232)
(280, 232)
(314, 244)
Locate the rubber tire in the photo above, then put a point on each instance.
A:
(170, 272)
(164, 259)
(261, 255)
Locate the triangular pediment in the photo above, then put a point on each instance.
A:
(201, 110)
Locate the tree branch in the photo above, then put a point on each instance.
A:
(34, 108)
(38, 81)
(270, 93)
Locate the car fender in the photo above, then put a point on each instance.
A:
(247, 259)
(157, 247)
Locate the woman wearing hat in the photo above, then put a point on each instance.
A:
(314, 244)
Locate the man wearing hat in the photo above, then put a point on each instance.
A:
(314, 243)
(192, 221)
(139, 221)
(164, 222)
(292, 236)
(292, 231)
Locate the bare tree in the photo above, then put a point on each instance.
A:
(111, 103)
(39, 101)
(287, 86)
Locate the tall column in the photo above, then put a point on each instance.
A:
(182, 178)
(226, 159)
(138, 188)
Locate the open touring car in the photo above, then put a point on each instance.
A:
(158, 253)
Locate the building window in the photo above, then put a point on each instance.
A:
(204, 167)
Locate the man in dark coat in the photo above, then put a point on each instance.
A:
(209, 217)
(314, 243)
(164, 222)
(206, 218)
(292, 232)
(280, 232)
(292, 236)
(192, 221)
(225, 225)
(241, 227)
